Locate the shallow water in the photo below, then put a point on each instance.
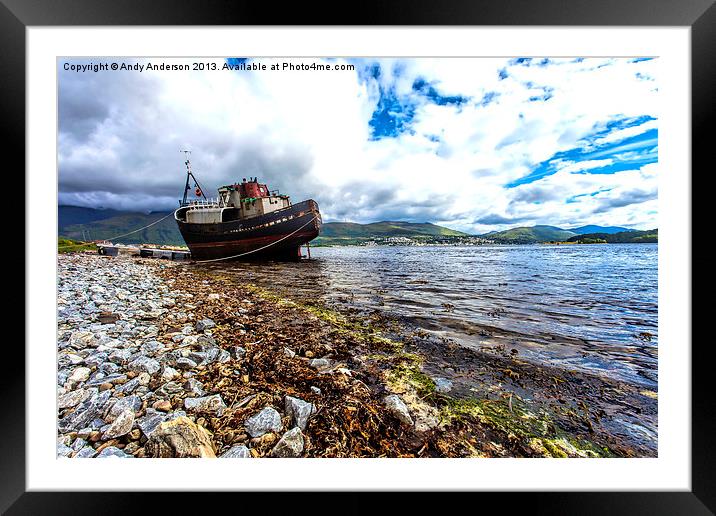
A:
(583, 307)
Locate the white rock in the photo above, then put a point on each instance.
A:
(290, 445)
(268, 420)
(397, 407)
(80, 374)
(299, 411)
(237, 452)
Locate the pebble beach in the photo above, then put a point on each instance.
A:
(163, 359)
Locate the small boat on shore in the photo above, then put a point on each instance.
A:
(246, 221)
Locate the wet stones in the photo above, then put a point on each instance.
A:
(290, 445)
(268, 420)
(397, 407)
(299, 411)
(212, 405)
(180, 437)
(442, 385)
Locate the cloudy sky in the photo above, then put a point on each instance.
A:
(472, 144)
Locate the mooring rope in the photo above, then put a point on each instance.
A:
(260, 248)
(124, 235)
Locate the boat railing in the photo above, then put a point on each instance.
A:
(202, 203)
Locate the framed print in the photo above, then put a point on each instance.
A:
(432, 250)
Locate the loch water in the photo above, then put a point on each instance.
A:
(583, 307)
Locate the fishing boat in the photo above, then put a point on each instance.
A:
(246, 221)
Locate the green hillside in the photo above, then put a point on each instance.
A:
(625, 237)
(385, 229)
(532, 235)
(165, 233)
(65, 245)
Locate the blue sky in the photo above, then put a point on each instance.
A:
(475, 144)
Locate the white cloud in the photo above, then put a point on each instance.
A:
(308, 133)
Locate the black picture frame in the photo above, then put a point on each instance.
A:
(699, 15)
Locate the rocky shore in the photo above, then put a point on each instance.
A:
(163, 359)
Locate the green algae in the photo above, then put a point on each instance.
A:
(534, 431)
(411, 375)
(340, 322)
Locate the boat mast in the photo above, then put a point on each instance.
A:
(189, 174)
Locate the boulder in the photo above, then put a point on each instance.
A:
(290, 444)
(169, 374)
(442, 385)
(168, 390)
(113, 452)
(120, 356)
(85, 453)
(82, 339)
(128, 387)
(71, 398)
(151, 347)
(237, 452)
(63, 450)
(299, 411)
(268, 420)
(85, 412)
(79, 374)
(185, 364)
(180, 437)
(133, 403)
(121, 425)
(213, 405)
(195, 387)
(111, 379)
(144, 364)
(397, 407)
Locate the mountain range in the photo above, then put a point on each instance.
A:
(98, 224)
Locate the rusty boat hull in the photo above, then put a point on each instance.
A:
(277, 235)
